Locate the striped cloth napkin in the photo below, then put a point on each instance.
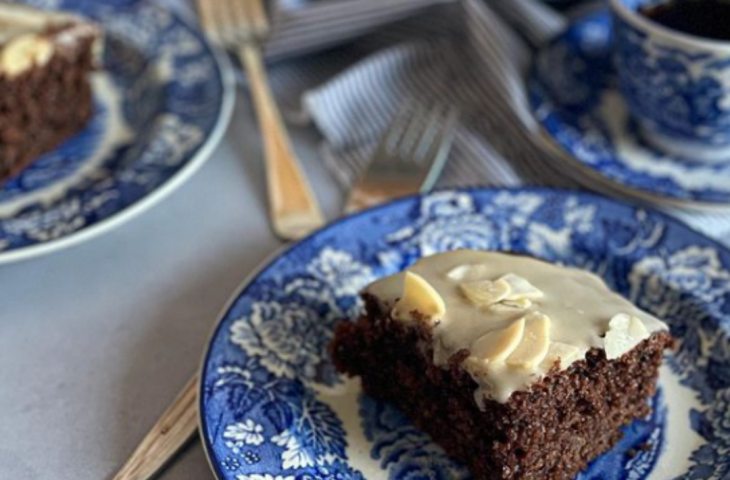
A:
(306, 26)
(470, 53)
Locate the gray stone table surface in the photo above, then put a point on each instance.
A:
(96, 340)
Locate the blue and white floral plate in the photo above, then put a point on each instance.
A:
(273, 408)
(163, 100)
(574, 94)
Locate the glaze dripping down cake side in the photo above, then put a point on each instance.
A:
(45, 63)
(518, 368)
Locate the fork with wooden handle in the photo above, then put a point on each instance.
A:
(171, 432)
(239, 26)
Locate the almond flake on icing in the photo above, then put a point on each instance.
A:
(419, 296)
(560, 352)
(624, 333)
(469, 273)
(497, 345)
(23, 52)
(485, 292)
(533, 347)
(507, 292)
(517, 304)
(521, 288)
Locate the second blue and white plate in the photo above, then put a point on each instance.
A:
(272, 406)
(575, 99)
(163, 100)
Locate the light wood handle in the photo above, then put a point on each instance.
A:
(294, 210)
(171, 432)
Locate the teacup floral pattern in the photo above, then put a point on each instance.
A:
(575, 95)
(680, 94)
(273, 407)
(160, 98)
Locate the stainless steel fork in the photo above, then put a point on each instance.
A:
(239, 26)
(409, 158)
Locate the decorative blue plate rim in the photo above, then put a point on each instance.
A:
(569, 127)
(101, 220)
(712, 420)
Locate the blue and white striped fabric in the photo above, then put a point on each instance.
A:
(470, 53)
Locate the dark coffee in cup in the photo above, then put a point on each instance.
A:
(701, 18)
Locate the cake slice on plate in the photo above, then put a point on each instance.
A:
(518, 368)
(45, 63)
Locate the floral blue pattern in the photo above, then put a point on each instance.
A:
(272, 406)
(160, 99)
(403, 450)
(573, 93)
(679, 94)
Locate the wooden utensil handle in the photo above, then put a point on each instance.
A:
(171, 432)
(294, 210)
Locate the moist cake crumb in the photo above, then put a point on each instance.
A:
(548, 427)
(46, 59)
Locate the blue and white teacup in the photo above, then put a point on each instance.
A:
(677, 85)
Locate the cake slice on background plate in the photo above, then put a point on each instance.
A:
(518, 368)
(46, 59)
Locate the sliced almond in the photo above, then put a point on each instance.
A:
(419, 296)
(560, 352)
(497, 345)
(535, 342)
(24, 51)
(521, 288)
(638, 330)
(485, 292)
(618, 342)
(505, 307)
(469, 273)
(620, 321)
(624, 333)
(520, 304)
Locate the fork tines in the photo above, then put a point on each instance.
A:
(419, 136)
(409, 157)
(233, 22)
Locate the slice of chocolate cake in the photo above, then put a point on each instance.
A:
(45, 62)
(518, 368)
